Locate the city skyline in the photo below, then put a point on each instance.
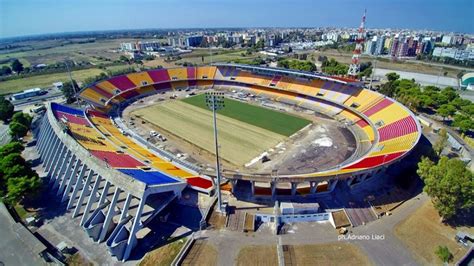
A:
(121, 15)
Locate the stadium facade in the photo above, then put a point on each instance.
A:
(117, 183)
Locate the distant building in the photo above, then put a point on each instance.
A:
(394, 48)
(58, 85)
(447, 39)
(370, 46)
(379, 45)
(186, 41)
(193, 41)
(458, 54)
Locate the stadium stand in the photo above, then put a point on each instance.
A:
(395, 126)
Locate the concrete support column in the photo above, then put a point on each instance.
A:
(133, 229)
(105, 191)
(110, 215)
(57, 163)
(72, 180)
(293, 188)
(66, 174)
(126, 205)
(233, 184)
(252, 187)
(332, 184)
(42, 139)
(273, 186)
(57, 176)
(84, 193)
(77, 186)
(50, 149)
(92, 200)
(312, 187)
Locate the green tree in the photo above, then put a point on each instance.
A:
(442, 141)
(5, 70)
(449, 184)
(22, 118)
(463, 122)
(392, 76)
(444, 254)
(17, 66)
(16, 176)
(18, 130)
(446, 110)
(12, 147)
(69, 91)
(6, 109)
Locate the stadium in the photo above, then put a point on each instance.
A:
(142, 138)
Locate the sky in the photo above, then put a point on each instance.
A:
(28, 17)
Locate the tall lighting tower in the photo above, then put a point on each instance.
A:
(354, 68)
(215, 102)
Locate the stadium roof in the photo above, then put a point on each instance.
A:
(293, 72)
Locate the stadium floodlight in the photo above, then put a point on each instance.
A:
(215, 102)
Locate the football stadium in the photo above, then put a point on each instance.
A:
(138, 140)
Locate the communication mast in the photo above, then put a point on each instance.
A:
(354, 68)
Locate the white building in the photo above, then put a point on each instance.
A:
(447, 39)
(458, 54)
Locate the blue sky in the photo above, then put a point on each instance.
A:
(25, 17)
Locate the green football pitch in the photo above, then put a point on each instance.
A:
(275, 121)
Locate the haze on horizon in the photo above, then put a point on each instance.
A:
(30, 17)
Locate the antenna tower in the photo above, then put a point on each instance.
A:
(354, 68)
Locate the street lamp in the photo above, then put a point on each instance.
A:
(72, 81)
(215, 102)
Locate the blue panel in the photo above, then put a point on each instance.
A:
(66, 109)
(150, 178)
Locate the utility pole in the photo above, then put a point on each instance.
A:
(215, 102)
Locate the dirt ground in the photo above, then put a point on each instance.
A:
(322, 145)
(201, 253)
(239, 142)
(257, 255)
(423, 232)
(330, 254)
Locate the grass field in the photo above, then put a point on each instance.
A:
(11, 86)
(278, 122)
(218, 56)
(257, 255)
(423, 232)
(240, 142)
(163, 255)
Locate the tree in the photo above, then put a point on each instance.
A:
(16, 176)
(449, 184)
(18, 130)
(463, 122)
(6, 109)
(392, 76)
(123, 58)
(20, 125)
(5, 70)
(12, 147)
(446, 110)
(441, 143)
(444, 254)
(17, 66)
(69, 91)
(22, 118)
